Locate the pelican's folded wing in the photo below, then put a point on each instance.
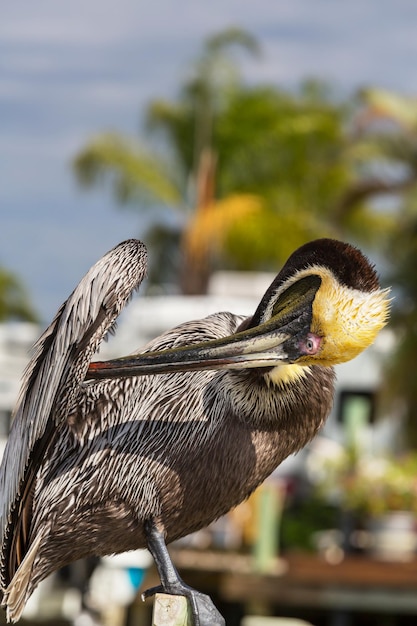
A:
(52, 382)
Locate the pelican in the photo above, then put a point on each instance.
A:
(105, 457)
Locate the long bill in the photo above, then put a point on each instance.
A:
(260, 346)
(232, 352)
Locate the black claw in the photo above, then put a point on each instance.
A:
(148, 593)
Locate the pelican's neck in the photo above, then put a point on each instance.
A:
(287, 394)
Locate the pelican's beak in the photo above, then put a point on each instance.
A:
(260, 346)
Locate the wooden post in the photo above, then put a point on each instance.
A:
(171, 611)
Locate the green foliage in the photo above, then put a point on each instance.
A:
(271, 236)
(172, 121)
(187, 124)
(368, 484)
(14, 303)
(389, 124)
(401, 388)
(301, 521)
(270, 139)
(134, 174)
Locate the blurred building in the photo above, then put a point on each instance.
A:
(16, 340)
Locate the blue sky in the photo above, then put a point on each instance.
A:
(71, 70)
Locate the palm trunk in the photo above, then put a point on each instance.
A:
(197, 265)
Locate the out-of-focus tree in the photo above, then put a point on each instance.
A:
(392, 120)
(247, 173)
(14, 302)
(181, 177)
(401, 388)
(296, 152)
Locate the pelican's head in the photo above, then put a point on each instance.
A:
(324, 308)
(347, 310)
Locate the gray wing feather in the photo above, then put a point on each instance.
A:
(60, 360)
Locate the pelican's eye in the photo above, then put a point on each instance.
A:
(310, 345)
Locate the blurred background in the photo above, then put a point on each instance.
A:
(225, 135)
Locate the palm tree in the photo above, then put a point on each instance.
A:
(246, 173)
(183, 179)
(14, 303)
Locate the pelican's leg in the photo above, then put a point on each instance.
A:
(203, 610)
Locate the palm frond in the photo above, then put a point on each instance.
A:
(132, 172)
